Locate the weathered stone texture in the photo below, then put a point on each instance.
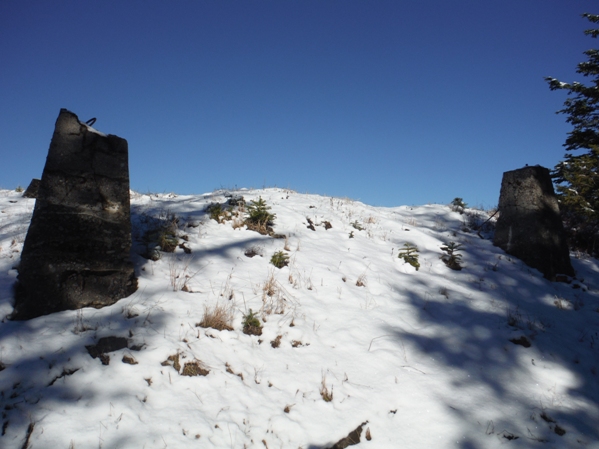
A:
(33, 188)
(529, 226)
(76, 253)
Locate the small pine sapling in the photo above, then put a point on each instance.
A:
(216, 212)
(356, 225)
(452, 258)
(259, 218)
(458, 205)
(410, 255)
(279, 259)
(251, 324)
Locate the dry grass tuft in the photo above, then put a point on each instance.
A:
(173, 360)
(219, 317)
(276, 342)
(194, 368)
(361, 282)
(273, 299)
(327, 395)
(180, 274)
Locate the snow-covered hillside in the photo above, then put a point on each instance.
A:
(490, 356)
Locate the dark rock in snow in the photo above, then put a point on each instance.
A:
(105, 345)
(351, 439)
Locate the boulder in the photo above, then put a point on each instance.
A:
(529, 225)
(76, 253)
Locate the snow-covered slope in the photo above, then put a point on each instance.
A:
(424, 358)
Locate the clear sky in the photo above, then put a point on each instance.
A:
(389, 102)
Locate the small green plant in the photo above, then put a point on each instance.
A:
(356, 225)
(216, 212)
(251, 324)
(19, 189)
(168, 241)
(458, 205)
(259, 218)
(452, 258)
(410, 255)
(161, 235)
(279, 259)
(220, 214)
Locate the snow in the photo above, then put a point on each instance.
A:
(93, 130)
(423, 356)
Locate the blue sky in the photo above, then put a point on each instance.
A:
(389, 102)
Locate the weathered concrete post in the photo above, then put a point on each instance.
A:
(529, 225)
(76, 253)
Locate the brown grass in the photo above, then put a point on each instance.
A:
(194, 368)
(327, 395)
(361, 282)
(276, 342)
(219, 317)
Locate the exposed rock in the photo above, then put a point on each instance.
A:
(351, 439)
(107, 344)
(76, 253)
(31, 191)
(529, 226)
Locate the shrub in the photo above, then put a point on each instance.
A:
(161, 234)
(279, 259)
(19, 189)
(220, 214)
(452, 259)
(251, 324)
(356, 225)
(216, 212)
(410, 255)
(259, 218)
(458, 205)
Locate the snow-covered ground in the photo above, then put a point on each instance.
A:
(424, 358)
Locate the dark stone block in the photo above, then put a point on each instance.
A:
(76, 253)
(31, 191)
(529, 225)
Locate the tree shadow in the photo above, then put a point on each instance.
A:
(39, 369)
(470, 337)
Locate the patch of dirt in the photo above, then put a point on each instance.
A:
(522, 341)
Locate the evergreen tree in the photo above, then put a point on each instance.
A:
(577, 177)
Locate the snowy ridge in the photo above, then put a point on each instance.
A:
(424, 357)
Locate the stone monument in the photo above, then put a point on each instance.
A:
(76, 253)
(529, 225)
